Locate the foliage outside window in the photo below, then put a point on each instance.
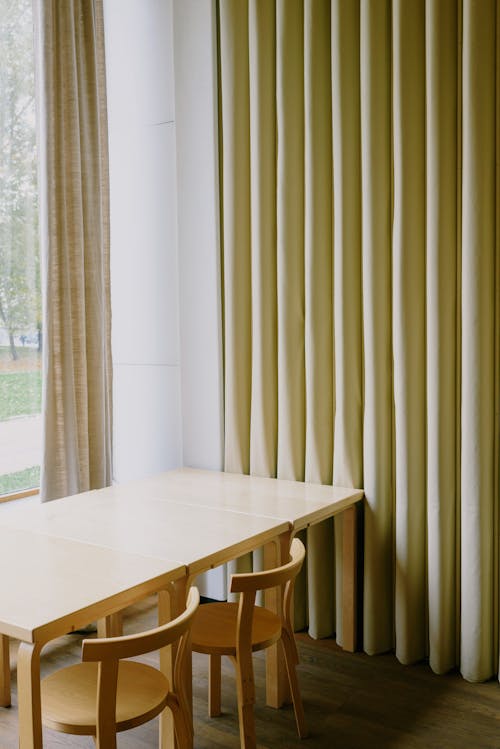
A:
(20, 299)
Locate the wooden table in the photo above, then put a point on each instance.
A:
(200, 519)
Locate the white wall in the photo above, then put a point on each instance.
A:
(195, 62)
(144, 272)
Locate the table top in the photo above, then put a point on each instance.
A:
(301, 503)
(198, 537)
(50, 586)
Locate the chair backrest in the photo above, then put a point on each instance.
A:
(108, 652)
(254, 581)
(247, 584)
(129, 646)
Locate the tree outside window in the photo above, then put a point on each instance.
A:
(20, 298)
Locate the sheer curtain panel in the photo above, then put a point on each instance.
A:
(77, 371)
(361, 256)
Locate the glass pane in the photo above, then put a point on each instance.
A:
(20, 303)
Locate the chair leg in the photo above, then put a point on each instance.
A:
(246, 699)
(182, 724)
(247, 726)
(105, 742)
(214, 686)
(291, 667)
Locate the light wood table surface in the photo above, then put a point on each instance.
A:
(200, 519)
(298, 502)
(199, 537)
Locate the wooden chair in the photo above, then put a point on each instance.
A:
(238, 629)
(104, 694)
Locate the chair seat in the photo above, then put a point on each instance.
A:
(69, 697)
(214, 628)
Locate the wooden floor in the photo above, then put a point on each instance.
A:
(351, 702)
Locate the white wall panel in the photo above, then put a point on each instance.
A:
(198, 231)
(144, 276)
(139, 62)
(144, 240)
(147, 420)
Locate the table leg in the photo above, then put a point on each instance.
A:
(277, 688)
(4, 671)
(28, 695)
(110, 626)
(171, 603)
(349, 578)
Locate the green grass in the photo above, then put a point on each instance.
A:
(21, 480)
(20, 394)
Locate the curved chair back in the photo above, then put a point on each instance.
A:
(247, 584)
(254, 581)
(129, 646)
(108, 652)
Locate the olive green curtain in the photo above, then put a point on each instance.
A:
(360, 205)
(74, 192)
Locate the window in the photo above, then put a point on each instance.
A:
(20, 299)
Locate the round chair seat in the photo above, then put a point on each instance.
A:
(69, 697)
(214, 628)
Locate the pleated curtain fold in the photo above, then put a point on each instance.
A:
(74, 210)
(360, 214)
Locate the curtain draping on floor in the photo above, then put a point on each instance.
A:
(75, 247)
(361, 255)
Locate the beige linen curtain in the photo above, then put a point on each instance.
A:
(361, 259)
(75, 247)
